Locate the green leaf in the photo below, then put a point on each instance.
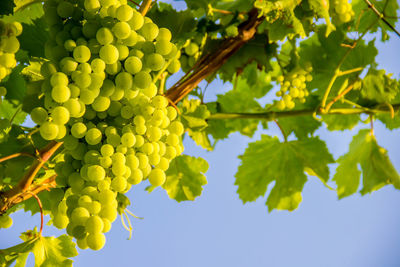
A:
(269, 160)
(340, 122)
(6, 7)
(390, 123)
(51, 251)
(12, 112)
(193, 117)
(17, 253)
(379, 87)
(49, 199)
(376, 168)
(185, 178)
(301, 126)
(34, 37)
(15, 84)
(25, 11)
(321, 8)
(181, 23)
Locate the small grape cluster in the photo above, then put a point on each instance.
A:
(101, 101)
(191, 52)
(293, 87)
(9, 45)
(344, 10)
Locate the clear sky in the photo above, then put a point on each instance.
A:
(218, 230)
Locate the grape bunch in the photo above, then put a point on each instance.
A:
(101, 100)
(343, 10)
(293, 87)
(191, 52)
(9, 45)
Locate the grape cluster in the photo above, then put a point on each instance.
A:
(9, 45)
(343, 10)
(191, 52)
(5, 221)
(101, 101)
(293, 87)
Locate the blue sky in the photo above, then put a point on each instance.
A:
(218, 230)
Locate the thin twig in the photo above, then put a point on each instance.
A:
(381, 16)
(133, 2)
(15, 155)
(41, 210)
(145, 6)
(348, 89)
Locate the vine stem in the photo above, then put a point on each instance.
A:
(272, 115)
(145, 6)
(342, 94)
(211, 62)
(41, 211)
(24, 188)
(16, 155)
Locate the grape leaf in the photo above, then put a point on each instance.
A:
(51, 251)
(17, 253)
(185, 178)
(284, 163)
(34, 37)
(25, 11)
(15, 84)
(366, 18)
(301, 126)
(379, 87)
(193, 117)
(6, 7)
(376, 168)
(390, 123)
(12, 112)
(181, 23)
(321, 8)
(340, 122)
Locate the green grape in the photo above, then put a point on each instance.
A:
(59, 79)
(79, 215)
(142, 80)
(124, 13)
(93, 136)
(118, 169)
(106, 196)
(87, 96)
(104, 36)
(5, 221)
(137, 20)
(123, 51)
(131, 40)
(49, 130)
(94, 225)
(60, 221)
(106, 162)
(82, 79)
(81, 54)
(60, 115)
(280, 105)
(154, 159)
(92, 5)
(98, 65)
(121, 30)
(164, 34)
(96, 241)
(109, 54)
(118, 184)
(39, 115)
(191, 49)
(153, 133)
(176, 127)
(173, 140)
(101, 103)
(74, 107)
(163, 47)
(68, 65)
(136, 177)
(114, 139)
(157, 177)
(159, 102)
(155, 62)
(82, 244)
(70, 142)
(60, 93)
(84, 201)
(149, 31)
(133, 64)
(96, 173)
(128, 139)
(107, 225)
(107, 150)
(78, 130)
(104, 184)
(132, 161)
(108, 212)
(163, 164)
(174, 66)
(124, 80)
